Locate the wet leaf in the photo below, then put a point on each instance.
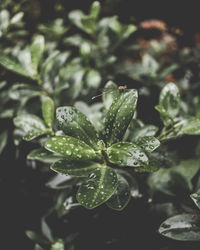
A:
(41, 154)
(32, 126)
(71, 148)
(127, 154)
(196, 198)
(37, 49)
(13, 66)
(74, 168)
(192, 127)
(184, 227)
(100, 186)
(148, 143)
(48, 111)
(119, 116)
(76, 124)
(146, 130)
(121, 197)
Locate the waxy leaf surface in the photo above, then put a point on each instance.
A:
(148, 143)
(127, 154)
(119, 116)
(184, 227)
(121, 197)
(192, 127)
(74, 168)
(74, 123)
(71, 148)
(99, 187)
(48, 111)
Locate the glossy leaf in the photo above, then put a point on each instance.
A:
(46, 230)
(100, 186)
(3, 140)
(196, 198)
(183, 227)
(32, 125)
(146, 130)
(192, 127)
(119, 116)
(48, 111)
(13, 66)
(169, 99)
(88, 24)
(121, 197)
(71, 148)
(58, 245)
(127, 154)
(37, 49)
(76, 124)
(148, 143)
(41, 154)
(110, 94)
(93, 79)
(74, 168)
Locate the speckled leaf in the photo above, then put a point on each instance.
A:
(119, 116)
(41, 154)
(196, 198)
(184, 227)
(58, 245)
(74, 168)
(122, 195)
(100, 186)
(32, 125)
(170, 99)
(13, 66)
(37, 49)
(127, 154)
(110, 94)
(192, 127)
(48, 111)
(148, 143)
(71, 148)
(32, 135)
(76, 124)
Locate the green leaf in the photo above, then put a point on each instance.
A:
(196, 198)
(88, 24)
(146, 130)
(3, 140)
(13, 66)
(121, 197)
(58, 245)
(93, 79)
(74, 168)
(37, 49)
(72, 122)
(119, 116)
(32, 125)
(45, 229)
(37, 238)
(169, 99)
(192, 127)
(48, 111)
(110, 94)
(100, 186)
(42, 155)
(184, 227)
(148, 143)
(75, 17)
(95, 9)
(127, 154)
(71, 148)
